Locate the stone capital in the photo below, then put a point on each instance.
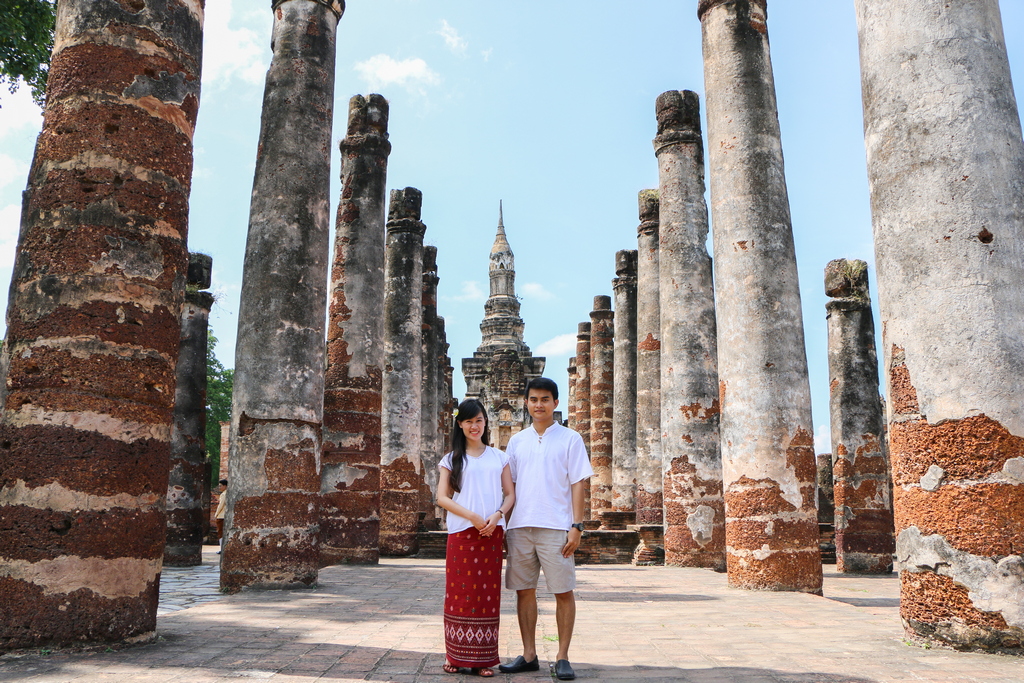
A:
(704, 5)
(336, 6)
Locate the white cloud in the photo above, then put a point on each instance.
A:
(471, 291)
(10, 223)
(231, 52)
(17, 110)
(452, 39)
(382, 70)
(537, 291)
(562, 345)
(11, 170)
(822, 439)
(486, 54)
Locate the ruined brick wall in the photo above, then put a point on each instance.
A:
(350, 468)
(272, 526)
(93, 326)
(691, 458)
(767, 440)
(946, 163)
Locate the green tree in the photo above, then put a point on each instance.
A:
(219, 383)
(26, 40)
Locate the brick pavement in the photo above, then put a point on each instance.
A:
(651, 624)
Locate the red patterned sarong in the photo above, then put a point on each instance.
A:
(472, 598)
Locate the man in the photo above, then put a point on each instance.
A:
(222, 510)
(550, 468)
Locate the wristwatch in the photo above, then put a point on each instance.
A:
(578, 526)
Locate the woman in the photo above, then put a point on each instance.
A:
(475, 487)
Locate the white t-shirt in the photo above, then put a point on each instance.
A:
(544, 467)
(481, 487)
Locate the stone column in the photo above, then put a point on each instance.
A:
(88, 365)
(602, 386)
(861, 482)
(766, 430)
(401, 470)
(225, 450)
(188, 480)
(272, 525)
(648, 365)
(624, 400)
(583, 396)
(691, 458)
(350, 469)
(570, 409)
(430, 445)
(946, 165)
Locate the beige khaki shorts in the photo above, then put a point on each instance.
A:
(532, 548)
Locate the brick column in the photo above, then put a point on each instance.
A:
(691, 458)
(648, 365)
(430, 443)
(624, 399)
(92, 327)
(401, 471)
(272, 525)
(583, 395)
(350, 470)
(863, 503)
(602, 385)
(767, 439)
(946, 169)
(188, 479)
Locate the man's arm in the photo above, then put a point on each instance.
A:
(573, 540)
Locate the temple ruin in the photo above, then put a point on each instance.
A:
(690, 386)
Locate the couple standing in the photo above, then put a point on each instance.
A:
(543, 476)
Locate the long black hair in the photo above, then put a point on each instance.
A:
(467, 410)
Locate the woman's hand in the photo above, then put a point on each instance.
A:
(478, 522)
(491, 524)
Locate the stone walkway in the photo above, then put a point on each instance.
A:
(634, 624)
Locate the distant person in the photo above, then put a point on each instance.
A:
(475, 487)
(222, 509)
(550, 469)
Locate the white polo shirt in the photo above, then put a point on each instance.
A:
(544, 467)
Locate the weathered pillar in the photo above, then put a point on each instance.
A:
(430, 444)
(188, 478)
(92, 327)
(766, 430)
(225, 450)
(624, 400)
(570, 409)
(648, 364)
(583, 396)
(401, 470)
(350, 468)
(691, 458)
(946, 165)
(863, 506)
(602, 386)
(272, 525)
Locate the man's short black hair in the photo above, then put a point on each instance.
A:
(223, 482)
(542, 384)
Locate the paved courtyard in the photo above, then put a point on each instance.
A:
(634, 624)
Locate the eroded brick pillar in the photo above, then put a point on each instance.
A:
(863, 505)
(93, 324)
(272, 525)
(582, 410)
(350, 468)
(570, 409)
(648, 364)
(430, 443)
(946, 165)
(768, 461)
(691, 458)
(188, 477)
(624, 399)
(602, 387)
(401, 470)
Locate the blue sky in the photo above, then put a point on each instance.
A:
(546, 106)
